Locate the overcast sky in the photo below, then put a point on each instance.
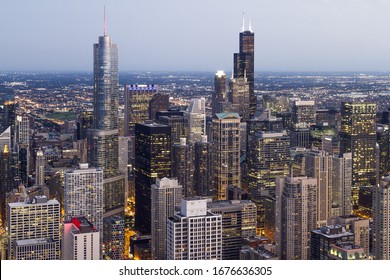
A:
(290, 35)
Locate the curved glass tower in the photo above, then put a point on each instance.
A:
(103, 138)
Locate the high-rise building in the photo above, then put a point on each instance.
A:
(244, 62)
(239, 97)
(84, 122)
(34, 219)
(6, 180)
(203, 167)
(178, 123)
(358, 136)
(342, 185)
(303, 113)
(40, 163)
(296, 216)
(219, 96)
(226, 153)
(22, 146)
(194, 233)
(166, 197)
(80, 240)
(83, 195)
(268, 157)
(383, 140)
(103, 138)
(238, 222)
(381, 220)
(319, 166)
(114, 237)
(159, 102)
(152, 161)
(137, 99)
(196, 119)
(183, 166)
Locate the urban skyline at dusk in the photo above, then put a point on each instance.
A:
(196, 165)
(297, 35)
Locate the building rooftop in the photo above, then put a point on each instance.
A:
(34, 241)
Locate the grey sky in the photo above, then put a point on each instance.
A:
(290, 35)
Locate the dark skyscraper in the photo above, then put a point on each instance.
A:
(244, 63)
(358, 136)
(219, 93)
(152, 161)
(103, 138)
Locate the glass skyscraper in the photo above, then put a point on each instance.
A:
(103, 138)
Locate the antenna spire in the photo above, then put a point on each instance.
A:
(250, 24)
(104, 21)
(243, 22)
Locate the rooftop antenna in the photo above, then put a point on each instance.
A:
(243, 22)
(250, 24)
(104, 20)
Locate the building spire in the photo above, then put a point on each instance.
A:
(104, 33)
(243, 22)
(250, 24)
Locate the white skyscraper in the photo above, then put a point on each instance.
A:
(381, 220)
(196, 118)
(166, 195)
(194, 233)
(40, 168)
(80, 240)
(83, 195)
(34, 223)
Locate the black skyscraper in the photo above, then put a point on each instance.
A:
(244, 63)
(152, 161)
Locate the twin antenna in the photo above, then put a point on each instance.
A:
(104, 21)
(243, 23)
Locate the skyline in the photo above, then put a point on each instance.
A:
(295, 35)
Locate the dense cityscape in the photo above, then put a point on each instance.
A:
(239, 165)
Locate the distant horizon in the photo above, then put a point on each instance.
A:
(290, 35)
(196, 71)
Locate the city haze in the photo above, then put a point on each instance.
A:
(174, 35)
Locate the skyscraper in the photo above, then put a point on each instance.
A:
(381, 220)
(268, 157)
(33, 220)
(296, 216)
(40, 168)
(203, 168)
(194, 233)
(137, 99)
(342, 185)
(238, 222)
(219, 96)
(166, 196)
(6, 180)
(103, 138)
(114, 237)
(196, 119)
(319, 165)
(244, 62)
(22, 146)
(239, 97)
(83, 195)
(358, 136)
(226, 153)
(152, 161)
(183, 166)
